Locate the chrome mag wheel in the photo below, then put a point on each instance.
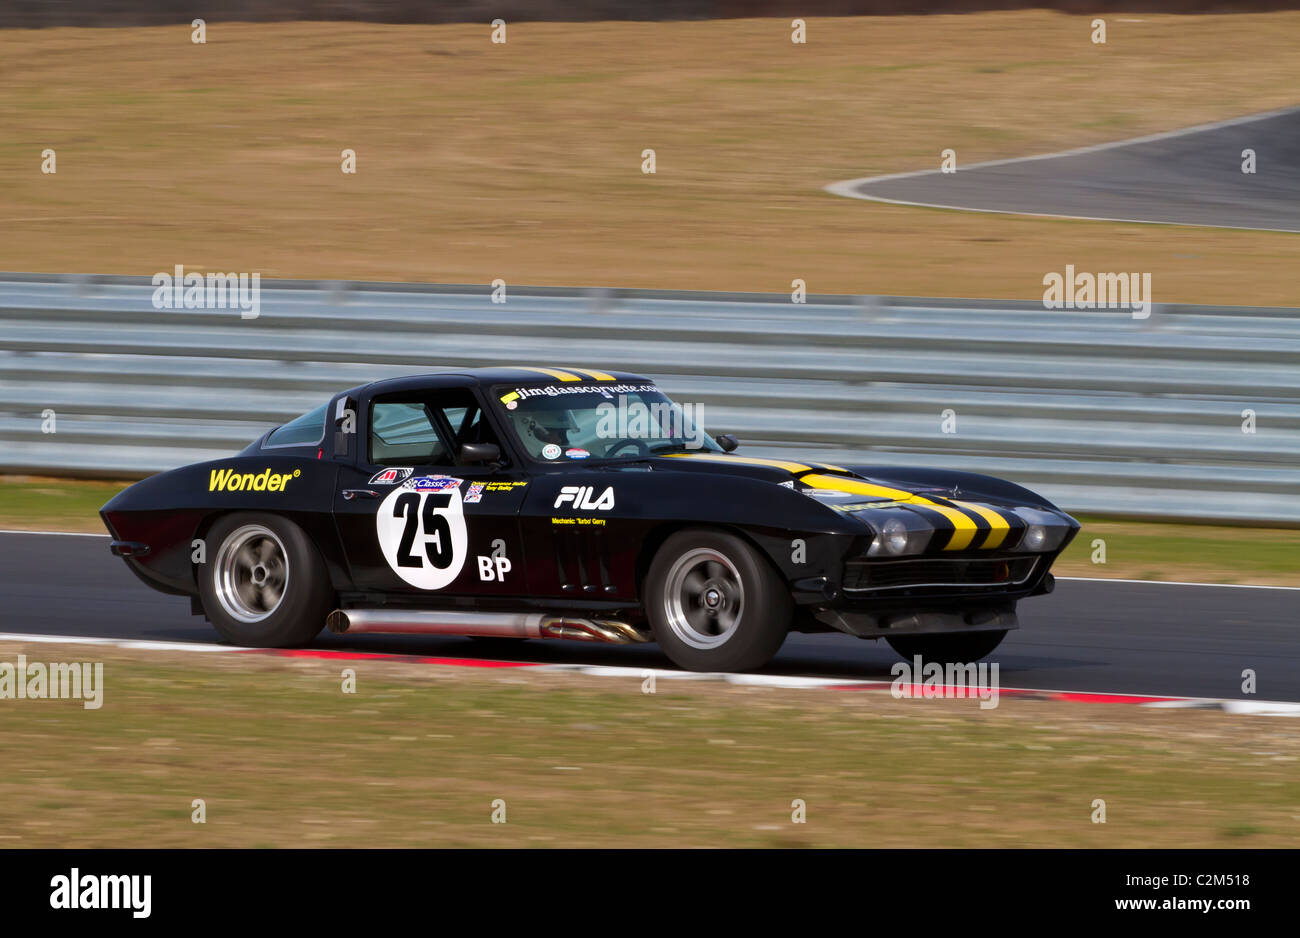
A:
(252, 573)
(704, 598)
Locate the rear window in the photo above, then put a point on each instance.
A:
(301, 431)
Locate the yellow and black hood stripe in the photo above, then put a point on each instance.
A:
(568, 375)
(970, 525)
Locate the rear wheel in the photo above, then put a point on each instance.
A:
(945, 649)
(264, 584)
(716, 604)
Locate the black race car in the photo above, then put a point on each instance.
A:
(579, 504)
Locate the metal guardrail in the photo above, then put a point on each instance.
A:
(1099, 411)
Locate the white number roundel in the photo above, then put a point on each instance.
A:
(422, 532)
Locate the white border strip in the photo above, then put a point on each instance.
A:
(785, 680)
(1244, 707)
(1273, 708)
(849, 187)
(1235, 586)
(139, 644)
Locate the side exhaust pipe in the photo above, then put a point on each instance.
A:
(483, 624)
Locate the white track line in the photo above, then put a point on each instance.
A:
(1237, 586)
(1274, 708)
(849, 187)
(784, 680)
(115, 642)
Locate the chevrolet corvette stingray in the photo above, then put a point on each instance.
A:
(518, 503)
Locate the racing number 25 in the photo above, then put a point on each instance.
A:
(413, 511)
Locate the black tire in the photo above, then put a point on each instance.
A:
(955, 649)
(736, 630)
(232, 598)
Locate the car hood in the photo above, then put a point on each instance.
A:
(979, 510)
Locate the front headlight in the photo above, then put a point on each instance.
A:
(893, 536)
(1044, 531)
(903, 534)
(1035, 537)
(898, 529)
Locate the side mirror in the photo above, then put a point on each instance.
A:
(727, 441)
(474, 453)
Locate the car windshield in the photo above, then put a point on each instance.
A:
(558, 422)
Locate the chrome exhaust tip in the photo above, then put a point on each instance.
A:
(594, 630)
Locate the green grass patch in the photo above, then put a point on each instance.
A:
(1147, 550)
(39, 504)
(418, 756)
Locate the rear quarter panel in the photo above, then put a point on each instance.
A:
(171, 510)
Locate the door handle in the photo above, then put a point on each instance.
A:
(349, 494)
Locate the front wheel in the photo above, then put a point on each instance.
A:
(264, 584)
(947, 649)
(716, 604)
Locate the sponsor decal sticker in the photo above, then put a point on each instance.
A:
(551, 451)
(557, 390)
(576, 452)
(583, 498)
(391, 476)
(229, 480)
(432, 483)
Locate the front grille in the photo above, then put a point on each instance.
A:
(864, 575)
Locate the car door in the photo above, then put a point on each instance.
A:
(416, 520)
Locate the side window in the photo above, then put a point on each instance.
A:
(426, 429)
(403, 433)
(465, 419)
(456, 420)
(302, 431)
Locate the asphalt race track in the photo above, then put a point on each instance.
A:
(1120, 637)
(1188, 177)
